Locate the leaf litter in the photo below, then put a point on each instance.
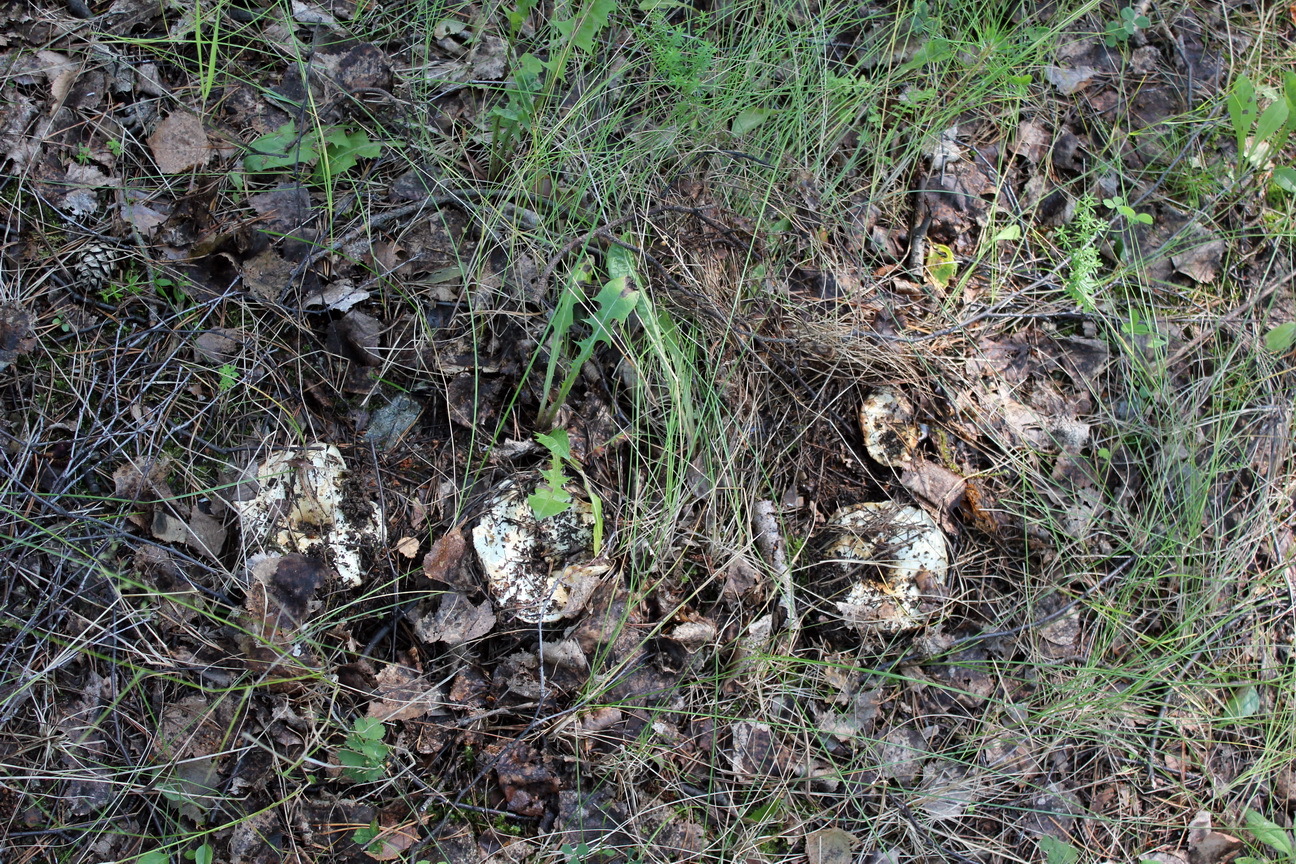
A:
(540, 690)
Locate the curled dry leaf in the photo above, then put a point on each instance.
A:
(404, 694)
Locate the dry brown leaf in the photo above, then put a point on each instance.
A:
(404, 694)
(16, 336)
(407, 546)
(456, 621)
(179, 143)
(830, 846)
(442, 562)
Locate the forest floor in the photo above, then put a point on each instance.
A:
(579, 431)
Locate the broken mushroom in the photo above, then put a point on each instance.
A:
(902, 551)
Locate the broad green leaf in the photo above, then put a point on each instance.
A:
(1271, 121)
(1280, 339)
(157, 856)
(517, 16)
(1269, 833)
(343, 150)
(1242, 110)
(281, 149)
(1012, 232)
(1245, 703)
(614, 304)
(1285, 179)
(748, 120)
(204, 854)
(547, 502)
(581, 30)
(1057, 852)
(620, 261)
(369, 727)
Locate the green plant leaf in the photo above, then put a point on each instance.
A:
(1269, 833)
(1242, 110)
(1012, 232)
(1271, 122)
(1285, 179)
(620, 261)
(369, 727)
(557, 443)
(748, 120)
(204, 854)
(1245, 703)
(581, 30)
(157, 856)
(1280, 339)
(343, 150)
(281, 149)
(1057, 852)
(941, 266)
(613, 304)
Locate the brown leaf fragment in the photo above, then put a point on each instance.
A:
(283, 209)
(205, 534)
(407, 546)
(935, 484)
(1200, 263)
(167, 528)
(404, 694)
(524, 779)
(266, 275)
(442, 563)
(741, 578)
(277, 604)
(219, 345)
(1032, 141)
(1208, 846)
(142, 481)
(16, 336)
(830, 846)
(179, 143)
(756, 755)
(901, 754)
(363, 67)
(457, 620)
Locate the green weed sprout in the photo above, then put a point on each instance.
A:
(364, 758)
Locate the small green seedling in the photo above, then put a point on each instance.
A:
(551, 497)
(1123, 29)
(613, 305)
(1260, 135)
(229, 376)
(364, 758)
(1080, 241)
(1118, 205)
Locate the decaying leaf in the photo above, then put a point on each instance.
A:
(457, 620)
(830, 846)
(179, 143)
(404, 694)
